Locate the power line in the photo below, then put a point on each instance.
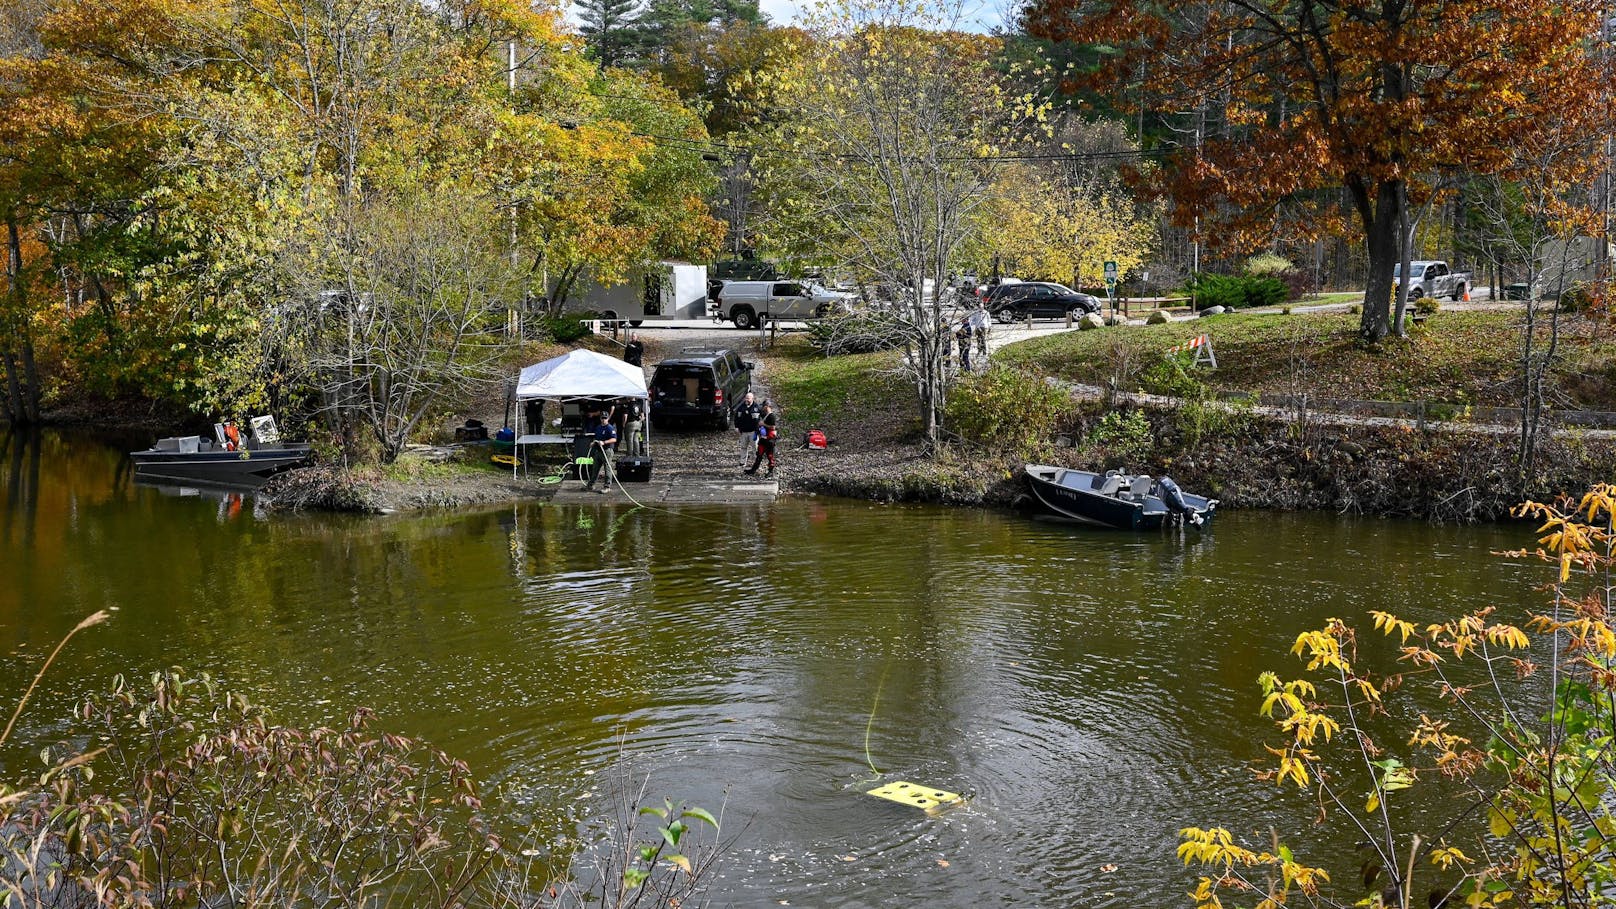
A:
(748, 150)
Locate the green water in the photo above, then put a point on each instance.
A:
(1092, 691)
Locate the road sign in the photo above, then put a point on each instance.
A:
(1110, 272)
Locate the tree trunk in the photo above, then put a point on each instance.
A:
(1405, 262)
(22, 395)
(30, 372)
(1381, 220)
(14, 409)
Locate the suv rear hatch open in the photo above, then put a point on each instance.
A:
(677, 385)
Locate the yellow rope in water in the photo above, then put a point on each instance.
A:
(870, 723)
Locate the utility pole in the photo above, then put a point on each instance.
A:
(513, 325)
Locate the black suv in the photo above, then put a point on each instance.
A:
(1014, 302)
(699, 385)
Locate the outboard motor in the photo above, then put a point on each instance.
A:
(1174, 499)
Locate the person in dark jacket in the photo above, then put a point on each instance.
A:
(768, 432)
(633, 429)
(603, 449)
(747, 417)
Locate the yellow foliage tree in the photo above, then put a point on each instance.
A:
(1042, 226)
(879, 147)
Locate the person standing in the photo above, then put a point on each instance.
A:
(768, 432)
(747, 417)
(634, 429)
(601, 451)
(979, 329)
(962, 334)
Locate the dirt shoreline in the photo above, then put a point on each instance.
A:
(1260, 464)
(1248, 460)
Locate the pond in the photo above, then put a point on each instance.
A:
(1092, 692)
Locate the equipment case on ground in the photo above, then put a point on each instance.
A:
(634, 469)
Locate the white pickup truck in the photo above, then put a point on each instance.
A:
(1432, 279)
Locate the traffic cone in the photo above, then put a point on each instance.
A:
(1467, 295)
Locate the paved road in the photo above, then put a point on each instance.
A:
(706, 332)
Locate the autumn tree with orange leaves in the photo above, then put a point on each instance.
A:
(1279, 106)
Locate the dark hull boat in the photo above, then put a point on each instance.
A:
(1114, 500)
(249, 467)
(231, 458)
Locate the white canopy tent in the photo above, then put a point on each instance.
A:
(579, 375)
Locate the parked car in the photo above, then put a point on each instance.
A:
(747, 302)
(700, 385)
(1037, 299)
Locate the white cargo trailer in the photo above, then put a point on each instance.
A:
(661, 290)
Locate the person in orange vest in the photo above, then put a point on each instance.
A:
(232, 436)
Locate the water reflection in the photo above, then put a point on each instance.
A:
(1092, 692)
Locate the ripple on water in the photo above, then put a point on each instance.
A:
(1091, 692)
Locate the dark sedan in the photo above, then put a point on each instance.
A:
(1039, 300)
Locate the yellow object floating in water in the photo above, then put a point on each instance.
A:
(917, 796)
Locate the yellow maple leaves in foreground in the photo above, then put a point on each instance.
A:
(1334, 706)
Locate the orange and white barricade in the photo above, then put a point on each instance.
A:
(1202, 346)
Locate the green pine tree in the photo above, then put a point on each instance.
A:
(611, 29)
(729, 12)
(663, 22)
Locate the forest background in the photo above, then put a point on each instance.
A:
(351, 208)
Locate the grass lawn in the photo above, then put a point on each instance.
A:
(1339, 297)
(815, 389)
(1460, 357)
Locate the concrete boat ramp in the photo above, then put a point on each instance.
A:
(677, 489)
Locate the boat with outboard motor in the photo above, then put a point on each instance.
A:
(228, 460)
(1114, 499)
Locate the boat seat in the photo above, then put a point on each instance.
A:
(1140, 487)
(1111, 486)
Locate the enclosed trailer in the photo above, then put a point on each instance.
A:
(661, 290)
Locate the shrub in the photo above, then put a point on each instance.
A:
(1006, 408)
(1426, 306)
(566, 327)
(1268, 263)
(1171, 376)
(1121, 438)
(1299, 283)
(1578, 298)
(1203, 418)
(1238, 291)
(194, 797)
